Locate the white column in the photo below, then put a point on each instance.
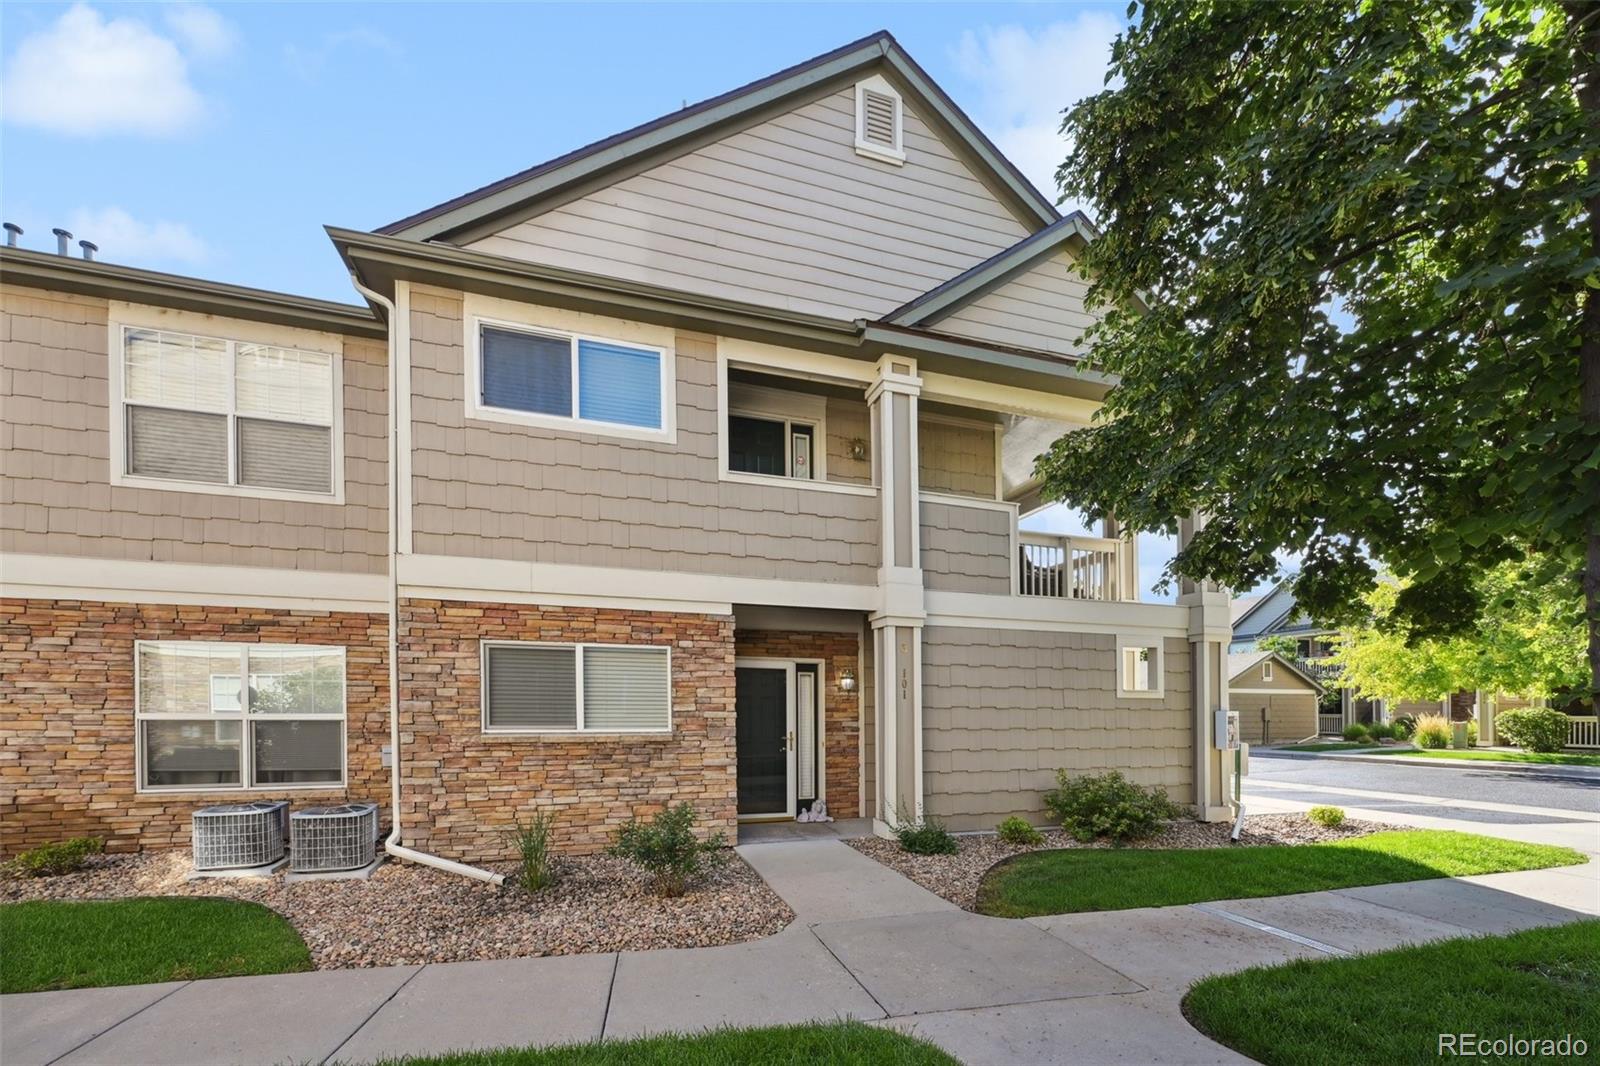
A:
(897, 621)
(1210, 630)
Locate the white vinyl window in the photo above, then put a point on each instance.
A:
(576, 688)
(206, 411)
(1139, 668)
(214, 716)
(1266, 670)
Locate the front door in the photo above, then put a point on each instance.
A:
(764, 715)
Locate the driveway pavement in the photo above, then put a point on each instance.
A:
(867, 944)
(1564, 788)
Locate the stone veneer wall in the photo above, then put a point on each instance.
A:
(66, 697)
(841, 710)
(462, 788)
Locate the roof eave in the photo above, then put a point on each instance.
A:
(32, 269)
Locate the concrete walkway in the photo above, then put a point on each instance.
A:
(867, 944)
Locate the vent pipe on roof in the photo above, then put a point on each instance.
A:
(62, 237)
(89, 248)
(13, 231)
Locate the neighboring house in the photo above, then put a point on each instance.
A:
(1275, 697)
(684, 467)
(1276, 614)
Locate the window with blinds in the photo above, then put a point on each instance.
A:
(590, 688)
(565, 376)
(228, 413)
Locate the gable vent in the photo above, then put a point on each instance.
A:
(880, 121)
(877, 118)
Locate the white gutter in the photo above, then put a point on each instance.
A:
(392, 845)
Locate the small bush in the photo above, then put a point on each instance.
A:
(668, 849)
(1472, 733)
(62, 857)
(1534, 728)
(1355, 731)
(1327, 817)
(1433, 731)
(1403, 727)
(1379, 731)
(1108, 805)
(532, 839)
(1016, 830)
(927, 837)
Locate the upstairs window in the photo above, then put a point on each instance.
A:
(227, 414)
(880, 121)
(555, 378)
(777, 447)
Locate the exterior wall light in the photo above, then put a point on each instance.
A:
(847, 680)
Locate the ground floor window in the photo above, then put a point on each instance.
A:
(576, 688)
(213, 716)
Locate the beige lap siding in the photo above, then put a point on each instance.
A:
(1275, 718)
(463, 788)
(67, 700)
(841, 710)
(1003, 709)
(57, 460)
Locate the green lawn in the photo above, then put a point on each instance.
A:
(833, 1044)
(1555, 758)
(1328, 745)
(51, 944)
(1390, 1007)
(1071, 880)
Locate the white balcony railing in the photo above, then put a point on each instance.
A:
(1583, 731)
(1074, 568)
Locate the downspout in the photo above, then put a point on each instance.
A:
(392, 845)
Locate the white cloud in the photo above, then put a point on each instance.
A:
(1026, 79)
(309, 61)
(86, 74)
(206, 34)
(125, 239)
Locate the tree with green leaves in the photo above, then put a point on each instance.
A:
(1350, 285)
(1528, 640)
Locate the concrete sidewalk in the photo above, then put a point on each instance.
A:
(866, 944)
(1567, 771)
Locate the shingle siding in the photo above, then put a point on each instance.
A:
(783, 214)
(966, 549)
(1004, 709)
(56, 497)
(495, 491)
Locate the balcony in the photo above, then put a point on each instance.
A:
(1074, 568)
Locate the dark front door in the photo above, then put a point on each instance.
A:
(761, 712)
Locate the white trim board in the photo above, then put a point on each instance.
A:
(64, 577)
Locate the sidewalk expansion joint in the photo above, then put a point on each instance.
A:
(371, 1015)
(1263, 927)
(611, 985)
(119, 1021)
(812, 929)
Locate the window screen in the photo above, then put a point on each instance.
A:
(626, 689)
(285, 455)
(527, 372)
(183, 445)
(529, 687)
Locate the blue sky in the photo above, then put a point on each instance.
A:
(218, 140)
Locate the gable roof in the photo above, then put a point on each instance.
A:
(674, 133)
(1241, 662)
(973, 283)
(1257, 602)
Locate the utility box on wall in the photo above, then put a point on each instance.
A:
(1226, 730)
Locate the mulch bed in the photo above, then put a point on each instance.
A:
(956, 877)
(407, 914)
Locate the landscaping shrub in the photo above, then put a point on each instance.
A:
(1327, 817)
(668, 849)
(1472, 734)
(1016, 830)
(62, 857)
(1403, 727)
(1534, 728)
(1108, 805)
(1433, 731)
(1355, 731)
(927, 837)
(533, 850)
(1379, 731)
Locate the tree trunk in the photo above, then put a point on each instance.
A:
(1586, 20)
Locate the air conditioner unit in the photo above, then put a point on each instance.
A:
(333, 839)
(239, 836)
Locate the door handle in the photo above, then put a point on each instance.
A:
(788, 745)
